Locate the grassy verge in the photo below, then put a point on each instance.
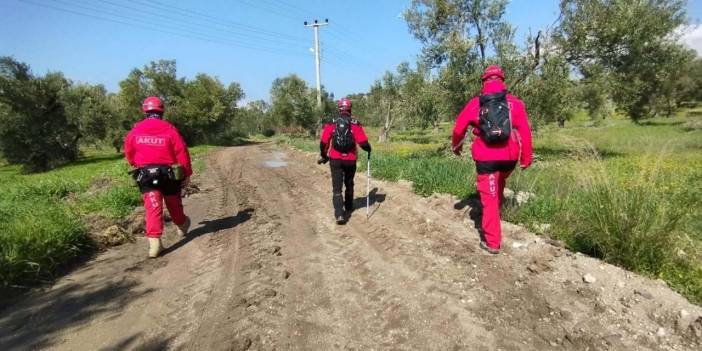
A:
(41, 215)
(627, 194)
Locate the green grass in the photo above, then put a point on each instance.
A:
(41, 215)
(628, 194)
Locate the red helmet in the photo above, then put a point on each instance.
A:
(493, 71)
(344, 104)
(152, 104)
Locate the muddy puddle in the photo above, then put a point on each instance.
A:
(276, 161)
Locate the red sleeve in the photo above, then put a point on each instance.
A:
(359, 134)
(181, 152)
(129, 150)
(524, 132)
(468, 116)
(326, 136)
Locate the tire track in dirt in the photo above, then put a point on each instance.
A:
(412, 278)
(347, 290)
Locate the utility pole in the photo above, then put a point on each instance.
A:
(316, 26)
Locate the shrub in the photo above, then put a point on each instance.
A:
(34, 129)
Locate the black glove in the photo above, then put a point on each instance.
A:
(322, 159)
(369, 154)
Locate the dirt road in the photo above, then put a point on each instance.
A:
(265, 267)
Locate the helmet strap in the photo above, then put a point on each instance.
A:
(154, 115)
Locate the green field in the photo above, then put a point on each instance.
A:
(629, 194)
(43, 216)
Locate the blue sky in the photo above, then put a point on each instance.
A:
(248, 41)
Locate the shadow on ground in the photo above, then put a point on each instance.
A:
(33, 327)
(209, 227)
(556, 152)
(475, 211)
(360, 202)
(658, 123)
(138, 342)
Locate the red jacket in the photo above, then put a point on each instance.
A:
(153, 141)
(359, 136)
(518, 147)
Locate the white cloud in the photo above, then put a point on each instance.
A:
(691, 36)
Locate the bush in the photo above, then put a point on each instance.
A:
(632, 225)
(268, 132)
(635, 213)
(34, 129)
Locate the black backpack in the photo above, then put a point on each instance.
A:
(342, 138)
(494, 118)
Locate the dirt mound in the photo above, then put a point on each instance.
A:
(107, 233)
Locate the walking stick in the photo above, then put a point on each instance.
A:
(368, 179)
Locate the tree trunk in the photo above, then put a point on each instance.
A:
(670, 108)
(435, 127)
(383, 137)
(481, 43)
(561, 123)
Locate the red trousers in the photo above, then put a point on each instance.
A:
(491, 187)
(153, 204)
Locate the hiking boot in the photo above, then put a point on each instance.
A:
(183, 228)
(484, 246)
(155, 247)
(340, 219)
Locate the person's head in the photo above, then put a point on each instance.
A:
(493, 72)
(152, 107)
(344, 106)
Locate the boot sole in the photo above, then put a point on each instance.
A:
(489, 249)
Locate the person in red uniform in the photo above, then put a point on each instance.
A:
(494, 161)
(153, 146)
(338, 144)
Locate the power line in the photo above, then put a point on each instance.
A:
(347, 37)
(221, 21)
(291, 7)
(341, 32)
(198, 25)
(141, 25)
(268, 9)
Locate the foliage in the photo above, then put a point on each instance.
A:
(202, 109)
(45, 120)
(206, 110)
(631, 41)
(550, 94)
(460, 37)
(254, 118)
(445, 26)
(35, 130)
(89, 106)
(292, 105)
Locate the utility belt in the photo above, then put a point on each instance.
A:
(158, 176)
(487, 167)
